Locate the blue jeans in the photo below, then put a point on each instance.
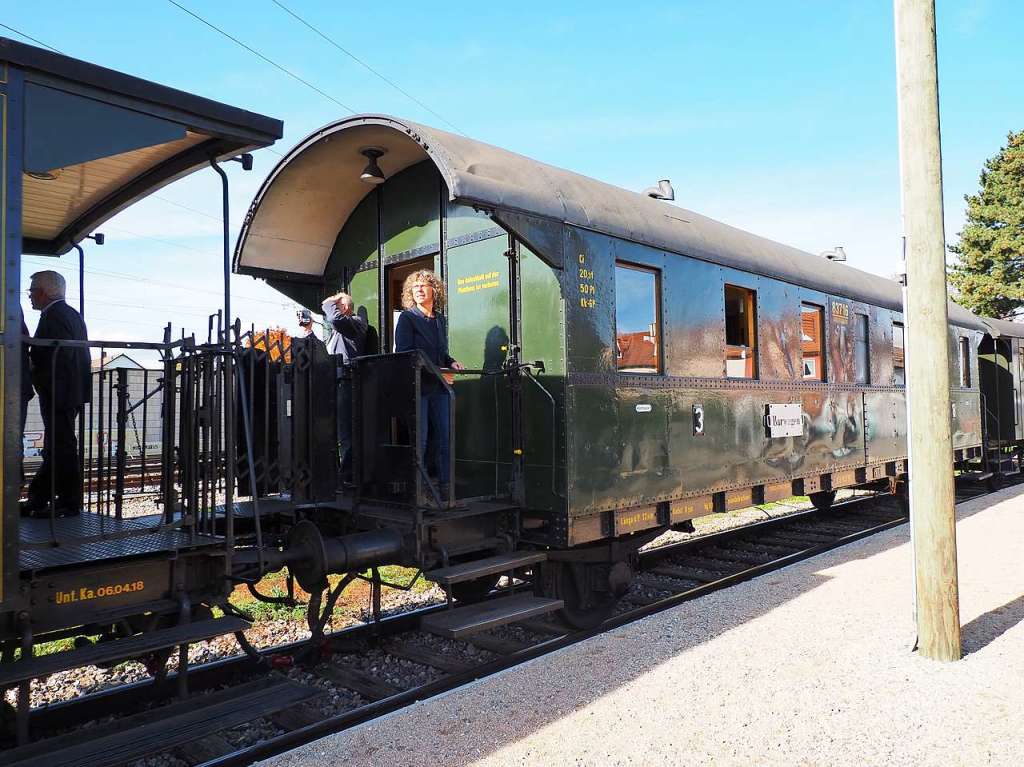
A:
(435, 411)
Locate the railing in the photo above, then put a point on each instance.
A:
(172, 474)
(387, 464)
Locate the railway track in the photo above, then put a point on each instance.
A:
(242, 711)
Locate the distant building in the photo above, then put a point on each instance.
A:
(117, 361)
(636, 352)
(143, 425)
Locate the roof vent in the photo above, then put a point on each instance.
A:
(663, 191)
(836, 254)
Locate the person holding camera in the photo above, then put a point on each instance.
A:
(347, 340)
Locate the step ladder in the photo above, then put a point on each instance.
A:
(109, 652)
(465, 621)
(481, 568)
(458, 622)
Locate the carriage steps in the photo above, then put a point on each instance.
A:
(461, 622)
(481, 568)
(471, 619)
(109, 652)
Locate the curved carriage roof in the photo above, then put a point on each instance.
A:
(296, 216)
(1003, 328)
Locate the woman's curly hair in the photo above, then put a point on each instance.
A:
(424, 275)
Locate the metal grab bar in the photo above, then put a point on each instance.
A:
(528, 374)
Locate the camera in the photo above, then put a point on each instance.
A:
(305, 318)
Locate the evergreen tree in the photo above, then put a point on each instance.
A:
(989, 274)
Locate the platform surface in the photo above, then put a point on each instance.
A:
(811, 665)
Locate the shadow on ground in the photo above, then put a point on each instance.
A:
(630, 657)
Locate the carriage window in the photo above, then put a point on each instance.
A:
(965, 363)
(899, 376)
(740, 332)
(861, 358)
(637, 326)
(812, 326)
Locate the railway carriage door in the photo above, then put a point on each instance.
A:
(481, 333)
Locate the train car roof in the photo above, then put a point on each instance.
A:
(95, 140)
(297, 214)
(1001, 328)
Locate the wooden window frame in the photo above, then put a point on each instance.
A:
(659, 336)
(822, 376)
(749, 352)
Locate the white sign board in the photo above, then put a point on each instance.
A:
(784, 420)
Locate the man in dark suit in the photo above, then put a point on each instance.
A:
(62, 377)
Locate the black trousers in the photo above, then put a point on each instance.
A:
(60, 459)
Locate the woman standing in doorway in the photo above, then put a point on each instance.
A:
(422, 325)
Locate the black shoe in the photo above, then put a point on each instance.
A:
(59, 511)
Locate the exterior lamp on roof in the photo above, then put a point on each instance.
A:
(372, 174)
(836, 254)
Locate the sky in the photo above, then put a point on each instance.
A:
(778, 118)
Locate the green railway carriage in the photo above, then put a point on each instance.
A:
(692, 367)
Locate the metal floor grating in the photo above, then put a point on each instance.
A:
(88, 538)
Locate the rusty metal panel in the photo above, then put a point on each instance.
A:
(739, 499)
(688, 508)
(838, 316)
(777, 491)
(886, 418)
(693, 315)
(635, 519)
(880, 346)
(778, 330)
(585, 529)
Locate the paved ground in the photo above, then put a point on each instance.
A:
(808, 666)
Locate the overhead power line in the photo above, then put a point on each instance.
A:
(259, 55)
(363, 64)
(139, 278)
(29, 37)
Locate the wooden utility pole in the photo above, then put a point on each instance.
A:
(932, 514)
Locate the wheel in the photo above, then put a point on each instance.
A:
(590, 591)
(823, 501)
(474, 591)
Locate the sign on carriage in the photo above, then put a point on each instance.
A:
(784, 420)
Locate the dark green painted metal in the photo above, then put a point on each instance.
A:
(356, 243)
(364, 290)
(463, 220)
(543, 339)
(478, 337)
(411, 209)
(624, 441)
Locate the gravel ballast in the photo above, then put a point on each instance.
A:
(811, 665)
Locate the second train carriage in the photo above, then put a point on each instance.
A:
(636, 364)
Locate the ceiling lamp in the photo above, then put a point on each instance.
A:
(372, 174)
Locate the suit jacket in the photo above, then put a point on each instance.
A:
(348, 334)
(417, 331)
(64, 380)
(27, 391)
